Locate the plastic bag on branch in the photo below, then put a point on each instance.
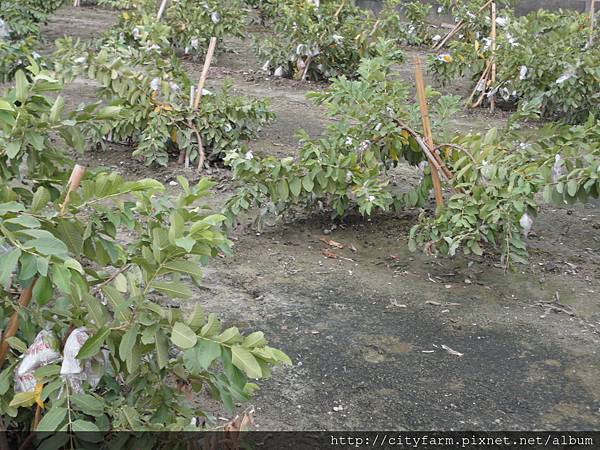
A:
(43, 351)
(75, 371)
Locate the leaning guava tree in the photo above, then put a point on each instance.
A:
(491, 180)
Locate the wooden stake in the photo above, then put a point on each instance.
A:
(437, 185)
(456, 28)
(482, 80)
(209, 56)
(204, 74)
(339, 10)
(592, 21)
(13, 323)
(25, 297)
(161, 9)
(493, 79)
(306, 66)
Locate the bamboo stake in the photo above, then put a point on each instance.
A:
(204, 74)
(209, 56)
(493, 79)
(339, 10)
(306, 66)
(437, 186)
(26, 294)
(457, 27)
(161, 9)
(482, 81)
(592, 21)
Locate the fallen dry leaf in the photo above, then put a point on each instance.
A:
(332, 243)
(431, 302)
(329, 254)
(451, 351)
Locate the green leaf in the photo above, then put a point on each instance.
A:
(21, 86)
(40, 199)
(256, 339)
(187, 243)
(172, 289)
(93, 345)
(57, 108)
(229, 336)
(22, 399)
(10, 207)
(131, 416)
(47, 371)
(245, 361)
(73, 264)
(95, 309)
(176, 227)
(127, 342)
(308, 183)
(88, 404)
(296, 186)
(200, 357)
(211, 327)
(12, 149)
(52, 420)
(490, 136)
(84, 426)
(283, 190)
(5, 106)
(8, 263)
(61, 277)
(184, 266)
(572, 188)
(118, 303)
(43, 290)
(196, 319)
(281, 356)
(71, 233)
(183, 336)
(5, 379)
(48, 246)
(17, 344)
(132, 361)
(108, 112)
(26, 221)
(162, 349)
(56, 441)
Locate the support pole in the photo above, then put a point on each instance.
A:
(161, 9)
(209, 56)
(205, 68)
(493, 77)
(437, 185)
(592, 21)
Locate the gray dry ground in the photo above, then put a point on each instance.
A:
(366, 332)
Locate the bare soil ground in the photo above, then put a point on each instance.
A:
(366, 331)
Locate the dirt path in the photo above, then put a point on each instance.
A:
(366, 332)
